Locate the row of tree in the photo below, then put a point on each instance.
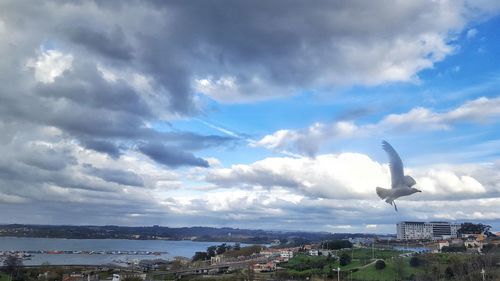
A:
(336, 244)
(474, 228)
(213, 251)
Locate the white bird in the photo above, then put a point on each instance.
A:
(401, 184)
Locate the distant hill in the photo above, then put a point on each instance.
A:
(198, 233)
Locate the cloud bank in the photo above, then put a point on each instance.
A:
(88, 91)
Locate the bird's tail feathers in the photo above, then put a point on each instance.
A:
(382, 192)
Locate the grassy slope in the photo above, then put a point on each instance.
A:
(4, 277)
(388, 273)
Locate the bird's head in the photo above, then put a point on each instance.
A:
(415, 190)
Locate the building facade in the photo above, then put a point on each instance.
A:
(412, 230)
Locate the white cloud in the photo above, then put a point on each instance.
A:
(448, 182)
(12, 199)
(232, 89)
(354, 175)
(50, 64)
(471, 33)
(479, 110)
(388, 45)
(309, 140)
(232, 59)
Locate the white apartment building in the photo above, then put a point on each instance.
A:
(286, 254)
(410, 230)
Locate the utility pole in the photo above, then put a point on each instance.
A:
(338, 274)
(483, 272)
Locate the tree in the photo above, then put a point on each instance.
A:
(211, 251)
(329, 258)
(12, 264)
(415, 262)
(472, 228)
(399, 267)
(448, 273)
(336, 244)
(453, 249)
(379, 264)
(200, 256)
(345, 259)
(221, 249)
(132, 278)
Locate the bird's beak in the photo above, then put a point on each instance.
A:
(418, 190)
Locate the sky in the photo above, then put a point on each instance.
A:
(248, 114)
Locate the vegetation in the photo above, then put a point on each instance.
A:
(366, 254)
(379, 264)
(389, 272)
(345, 259)
(415, 261)
(159, 232)
(336, 244)
(132, 278)
(448, 273)
(453, 249)
(472, 228)
(422, 267)
(4, 277)
(244, 251)
(303, 262)
(12, 265)
(228, 251)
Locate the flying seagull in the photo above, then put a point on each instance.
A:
(401, 184)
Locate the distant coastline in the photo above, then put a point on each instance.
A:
(200, 234)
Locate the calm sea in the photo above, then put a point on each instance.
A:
(172, 248)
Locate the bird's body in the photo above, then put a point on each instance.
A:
(401, 184)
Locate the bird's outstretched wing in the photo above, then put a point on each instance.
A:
(396, 165)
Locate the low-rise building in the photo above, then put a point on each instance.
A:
(473, 245)
(313, 252)
(215, 260)
(361, 241)
(442, 244)
(264, 267)
(286, 254)
(270, 253)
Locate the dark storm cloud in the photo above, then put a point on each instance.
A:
(102, 146)
(157, 52)
(171, 156)
(110, 44)
(282, 45)
(85, 86)
(107, 116)
(47, 158)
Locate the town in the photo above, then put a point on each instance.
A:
(419, 251)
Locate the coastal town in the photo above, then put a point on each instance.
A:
(240, 140)
(416, 248)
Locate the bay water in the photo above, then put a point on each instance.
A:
(167, 249)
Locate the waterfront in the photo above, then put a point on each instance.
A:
(164, 249)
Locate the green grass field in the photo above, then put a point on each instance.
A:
(388, 273)
(366, 253)
(361, 257)
(4, 277)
